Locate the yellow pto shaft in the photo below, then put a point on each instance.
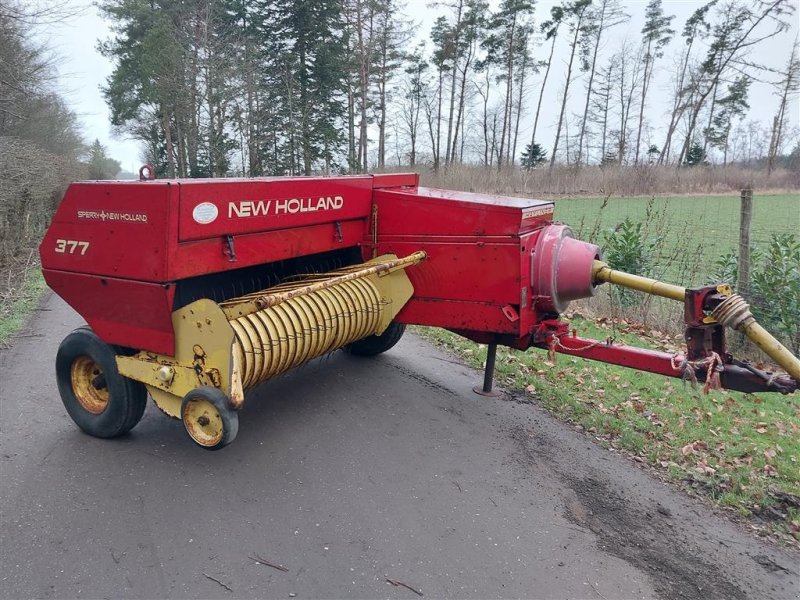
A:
(602, 273)
(732, 312)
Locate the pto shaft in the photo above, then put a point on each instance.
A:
(602, 273)
(733, 312)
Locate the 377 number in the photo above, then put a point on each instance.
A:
(71, 247)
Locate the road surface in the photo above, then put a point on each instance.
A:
(348, 473)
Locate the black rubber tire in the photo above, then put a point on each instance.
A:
(377, 344)
(127, 399)
(229, 418)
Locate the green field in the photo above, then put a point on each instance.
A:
(696, 230)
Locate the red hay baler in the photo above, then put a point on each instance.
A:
(196, 290)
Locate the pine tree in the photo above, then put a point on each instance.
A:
(311, 31)
(533, 156)
(695, 155)
(656, 34)
(100, 165)
(733, 105)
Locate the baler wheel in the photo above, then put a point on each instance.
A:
(377, 344)
(208, 418)
(102, 402)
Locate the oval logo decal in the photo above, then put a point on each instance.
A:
(205, 213)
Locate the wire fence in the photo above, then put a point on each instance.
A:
(689, 233)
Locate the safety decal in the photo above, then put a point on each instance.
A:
(205, 213)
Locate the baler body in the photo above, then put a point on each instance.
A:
(196, 290)
(125, 255)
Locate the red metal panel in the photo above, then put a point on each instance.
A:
(388, 180)
(485, 271)
(214, 208)
(451, 314)
(110, 228)
(127, 313)
(209, 256)
(429, 211)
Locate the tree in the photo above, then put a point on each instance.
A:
(574, 15)
(627, 75)
(412, 98)
(100, 165)
(741, 26)
(442, 37)
(733, 105)
(507, 47)
(695, 155)
(474, 29)
(391, 37)
(656, 34)
(40, 140)
(360, 17)
(533, 156)
(787, 86)
(601, 103)
(600, 18)
(550, 30)
(145, 82)
(695, 27)
(312, 30)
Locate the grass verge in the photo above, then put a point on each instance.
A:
(18, 302)
(741, 451)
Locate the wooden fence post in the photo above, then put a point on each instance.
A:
(743, 283)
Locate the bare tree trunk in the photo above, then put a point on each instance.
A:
(598, 35)
(382, 104)
(520, 92)
(790, 85)
(450, 148)
(351, 127)
(509, 100)
(462, 100)
(165, 124)
(648, 72)
(566, 90)
(677, 109)
(541, 91)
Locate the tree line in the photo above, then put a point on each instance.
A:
(42, 147)
(253, 87)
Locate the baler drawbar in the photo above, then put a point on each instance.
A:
(195, 291)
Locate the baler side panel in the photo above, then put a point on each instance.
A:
(214, 209)
(134, 314)
(111, 229)
(477, 275)
(466, 271)
(199, 257)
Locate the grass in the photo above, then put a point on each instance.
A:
(17, 304)
(742, 451)
(688, 227)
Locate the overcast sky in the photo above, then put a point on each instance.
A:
(83, 70)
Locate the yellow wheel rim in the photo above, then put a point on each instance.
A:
(203, 422)
(88, 385)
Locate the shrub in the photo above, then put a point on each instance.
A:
(774, 286)
(626, 248)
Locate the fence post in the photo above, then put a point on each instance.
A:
(743, 284)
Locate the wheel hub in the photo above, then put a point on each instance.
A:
(203, 422)
(89, 385)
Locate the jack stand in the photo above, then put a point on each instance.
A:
(488, 374)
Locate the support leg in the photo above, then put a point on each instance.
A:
(488, 373)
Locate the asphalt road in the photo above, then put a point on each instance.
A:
(348, 472)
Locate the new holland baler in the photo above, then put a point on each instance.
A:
(195, 291)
